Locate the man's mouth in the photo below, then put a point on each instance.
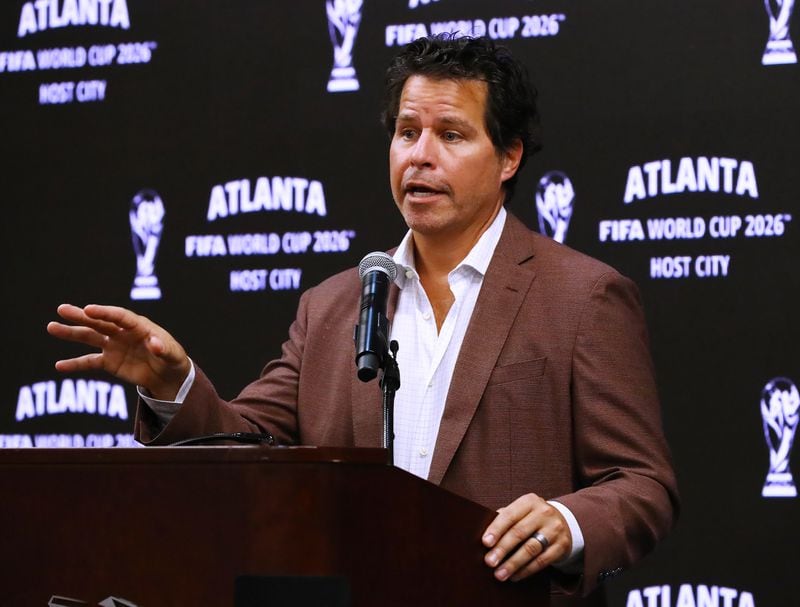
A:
(421, 190)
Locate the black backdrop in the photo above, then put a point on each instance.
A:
(200, 95)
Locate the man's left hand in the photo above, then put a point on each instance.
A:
(513, 534)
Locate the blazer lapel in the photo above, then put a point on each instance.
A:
(504, 287)
(367, 398)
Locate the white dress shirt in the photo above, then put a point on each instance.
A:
(427, 357)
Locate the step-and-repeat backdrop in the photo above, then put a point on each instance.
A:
(203, 163)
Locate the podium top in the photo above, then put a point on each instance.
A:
(226, 453)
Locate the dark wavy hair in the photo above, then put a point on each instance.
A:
(511, 111)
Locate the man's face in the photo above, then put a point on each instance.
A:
(446, 174)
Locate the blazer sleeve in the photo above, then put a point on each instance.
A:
(627, 497)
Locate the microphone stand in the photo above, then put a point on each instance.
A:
(389, 382)
(377, 272)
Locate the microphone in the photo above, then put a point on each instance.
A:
(377, 271)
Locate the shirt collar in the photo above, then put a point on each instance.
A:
(478, 258)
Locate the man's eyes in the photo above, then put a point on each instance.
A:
(448, 136)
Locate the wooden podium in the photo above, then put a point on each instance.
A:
(179, 525)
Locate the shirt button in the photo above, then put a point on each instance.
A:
(409, 273)
(423, 452)
(430, 384)
(426, 315)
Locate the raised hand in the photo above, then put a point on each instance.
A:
(132, 347)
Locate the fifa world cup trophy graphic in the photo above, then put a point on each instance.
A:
(780, 401)
(147, 223)
(554, 199)
(344, 17)
(779, 46)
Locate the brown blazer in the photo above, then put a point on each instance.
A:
(553, 393)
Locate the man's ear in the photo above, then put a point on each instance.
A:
(511, 159)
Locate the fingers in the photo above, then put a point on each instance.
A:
(87, 362)
(121, 317)
(81, 335)
(533, 557)
(95, 324)
(514, 552)
(78, 316)
(157, 341)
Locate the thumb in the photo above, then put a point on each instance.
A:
(156, 346)
(167, 350)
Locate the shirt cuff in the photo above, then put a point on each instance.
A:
(165, 410)
(573, 563)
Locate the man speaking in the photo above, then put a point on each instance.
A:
(527, 382)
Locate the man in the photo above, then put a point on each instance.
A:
(527, 383)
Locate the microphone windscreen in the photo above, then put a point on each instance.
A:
(378, 260)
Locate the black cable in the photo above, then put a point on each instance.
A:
(239, 437)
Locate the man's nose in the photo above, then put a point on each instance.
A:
(424, 152)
